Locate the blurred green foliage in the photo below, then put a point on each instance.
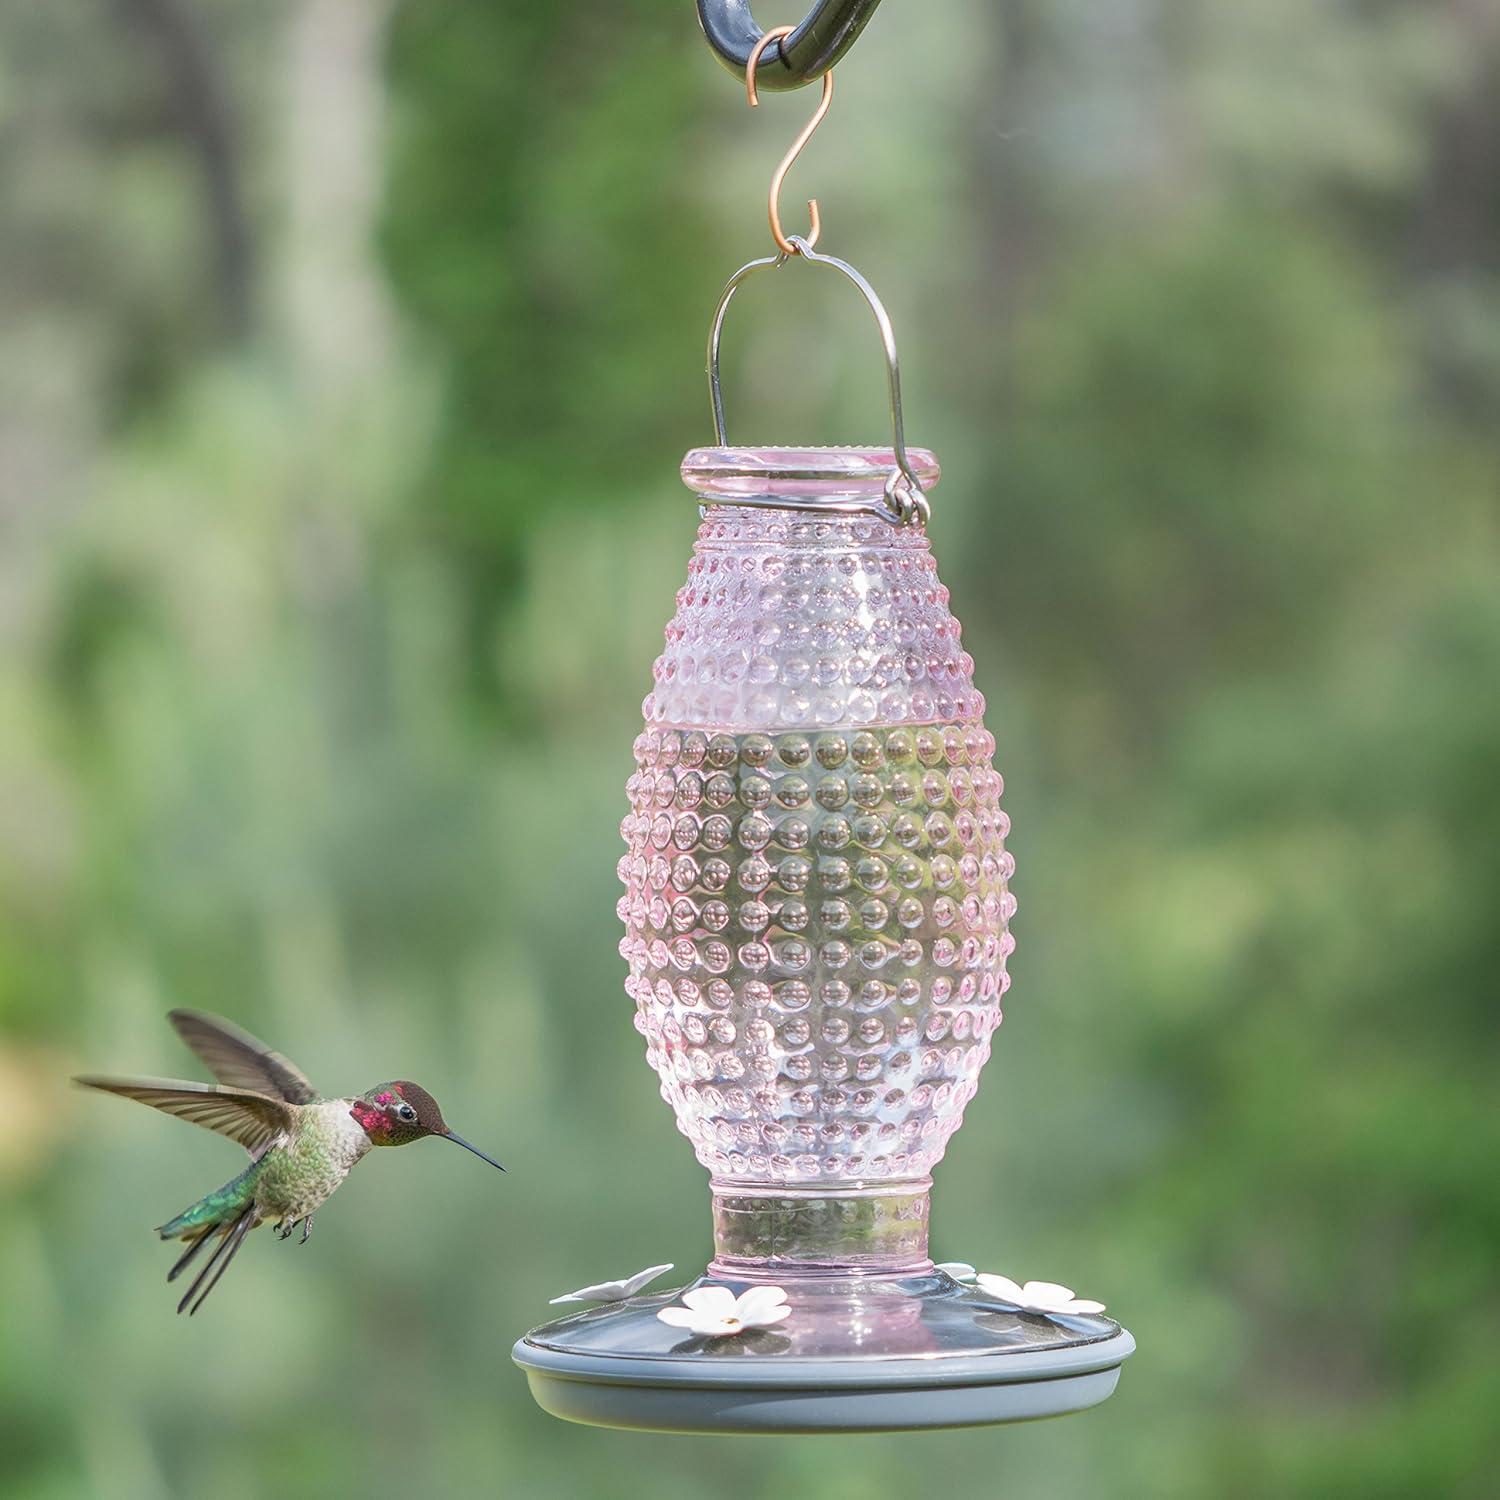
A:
(351, 350)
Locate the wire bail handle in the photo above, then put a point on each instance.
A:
(906, 503)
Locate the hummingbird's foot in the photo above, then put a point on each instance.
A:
(287, 1226)
(306, 1228)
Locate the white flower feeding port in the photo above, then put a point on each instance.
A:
(1047, 1299)
(616, 1291)
(959, 1270)
(816, 915)
(714, 1312)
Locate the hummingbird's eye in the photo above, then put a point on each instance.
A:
(406, 1112)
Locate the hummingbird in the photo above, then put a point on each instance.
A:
(301, 1145)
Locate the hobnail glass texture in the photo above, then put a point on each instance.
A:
(816, 906)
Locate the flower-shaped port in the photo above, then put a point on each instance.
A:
(714, 1312)
(1046, 1298)
(615, 1291)
(959, 1270)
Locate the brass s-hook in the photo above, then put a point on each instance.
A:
(784, 243)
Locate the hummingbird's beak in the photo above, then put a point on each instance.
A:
(458, 1140)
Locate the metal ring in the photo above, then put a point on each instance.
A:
(819, 41)
(904, 495)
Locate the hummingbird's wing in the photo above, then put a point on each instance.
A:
(238, 1060)
(251, 1119)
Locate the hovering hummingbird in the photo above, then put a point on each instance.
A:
(301, 1145)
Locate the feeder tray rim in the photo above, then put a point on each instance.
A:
(1106, 1351)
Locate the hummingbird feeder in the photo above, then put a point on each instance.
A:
(816, 918)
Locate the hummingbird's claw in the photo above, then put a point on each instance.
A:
(306, 1228)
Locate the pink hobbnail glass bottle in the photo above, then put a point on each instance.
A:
(816, 898)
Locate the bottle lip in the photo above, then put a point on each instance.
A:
(835, 478)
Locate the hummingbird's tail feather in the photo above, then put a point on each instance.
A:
(216, 1265)
(206, 1268)
(195, 1243)
(230, 1213)
(218, 1209)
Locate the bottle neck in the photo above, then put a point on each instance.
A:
(855, 482)
(766, 1232)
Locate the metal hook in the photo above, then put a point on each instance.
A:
(784, 242)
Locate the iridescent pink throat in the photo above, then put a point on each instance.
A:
(372, 1118)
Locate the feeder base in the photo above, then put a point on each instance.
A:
(857, 1355)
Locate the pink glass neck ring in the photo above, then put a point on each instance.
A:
(902, 499)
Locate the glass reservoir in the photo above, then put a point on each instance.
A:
(816, 899)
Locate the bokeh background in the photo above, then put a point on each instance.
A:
(350, 350)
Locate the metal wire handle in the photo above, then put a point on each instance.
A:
(906, 501)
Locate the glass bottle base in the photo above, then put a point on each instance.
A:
(763, 1233)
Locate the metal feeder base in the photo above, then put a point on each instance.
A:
(856, 1356)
